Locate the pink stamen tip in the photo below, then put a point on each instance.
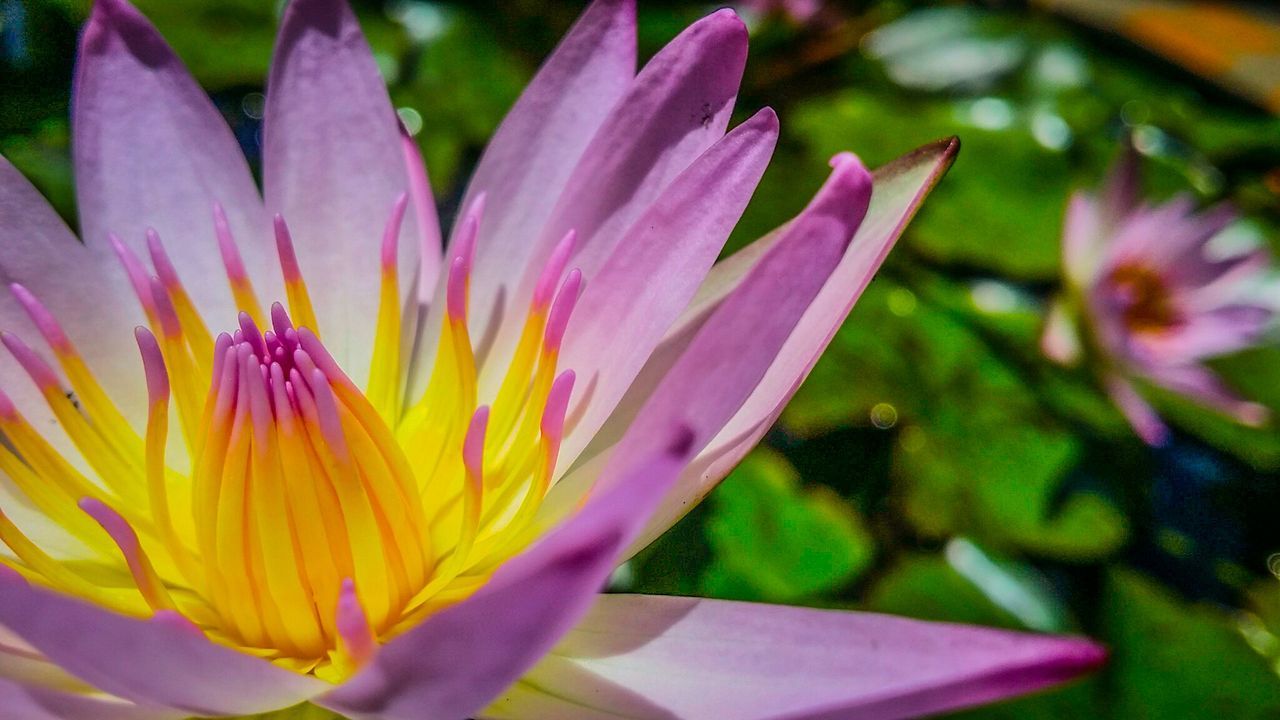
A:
(135, 271)
(36, 367)
(456, 295)
(221, 344)
(327, 412)
(177, 621)
(160, 260)
(227, 245)
(228, 383)
(280, 319)
(391, 236)
(165, 311)
(255, 378)
(553, 415)
(252, 335)
(116, 526)
(562, 309)
(470, 230)
(473, 445)
(843, 158)
(153, 365)
(8, 410)
(353, 624)
(40, 315)
(554, 268)
(284, 248)
(304, 362)
(318, 356)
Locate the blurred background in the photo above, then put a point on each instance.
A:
(935, 464)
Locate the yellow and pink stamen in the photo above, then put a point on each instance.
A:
(313, 517)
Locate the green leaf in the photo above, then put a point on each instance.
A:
(1172, 660)
(980, 451)
(775, 540)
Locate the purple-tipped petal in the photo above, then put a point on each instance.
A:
(657, 267)
(733, 350)
(1141, 416)
(1201, 384)
(151, 150)
(527, 163)
(650, 658)
(460, 659)
(164, 665)
(898, 191)
(333, 166)
(675, 109)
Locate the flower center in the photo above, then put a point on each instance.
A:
(318, 517)
(1143, 299)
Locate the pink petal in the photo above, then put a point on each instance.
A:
(152, 151)
(1082, 240)
(527, 163)
(1206, 334)
(1202, 385)
(1060, 340)
(898, 191)
(1122, 192)
(29, 702)
(729, 354)
(655, 270)
(430, 242)
(656, 657)
(93, 304)
(148, 662)
(333, 165)
(477, 648)
(675, 109)
(458, 660)
(1141, 416)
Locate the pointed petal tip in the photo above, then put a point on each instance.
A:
(326, 16)
(723, 26)
(729, 17)
(767, 118)
(104, 10)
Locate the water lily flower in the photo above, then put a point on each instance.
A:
(396, 478)
(1152, 292)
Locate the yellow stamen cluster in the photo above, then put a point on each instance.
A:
(318, 517)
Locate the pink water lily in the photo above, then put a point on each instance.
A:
(1151, 296)
(396, 478)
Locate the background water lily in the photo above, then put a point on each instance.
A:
(401, 475)
(1159, 290)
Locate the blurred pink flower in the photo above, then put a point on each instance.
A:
(402, 498)
(797, 11)
(1152, 297)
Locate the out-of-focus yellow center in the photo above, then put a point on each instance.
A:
(318, 517)
(1143, 299)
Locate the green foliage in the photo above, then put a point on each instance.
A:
(1174, 660)
(779, 542)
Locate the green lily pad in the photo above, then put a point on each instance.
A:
(776, 540)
